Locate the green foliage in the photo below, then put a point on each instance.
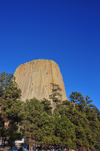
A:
(86, 121)
(74, 123)
(37, 123)
(10, 107)
(65, 130)
(46, 106)
(55, 96)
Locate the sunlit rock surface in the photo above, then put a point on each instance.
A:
(34, 79)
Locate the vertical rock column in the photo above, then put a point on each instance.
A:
(34, 79)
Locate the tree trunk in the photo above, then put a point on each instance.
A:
(69, 149)
(89, 149)
(31, 148)
(80, 149)
(43, 148)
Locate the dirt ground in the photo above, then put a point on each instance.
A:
(6, 148)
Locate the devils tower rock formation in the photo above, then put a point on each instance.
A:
(34, 79)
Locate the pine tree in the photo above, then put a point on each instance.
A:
(37, 123)
(85, 119)
(10, 107)
(78, 118)
(46, 106)
(93, 124)
(56, 97)
(65, 131)
(32, 109)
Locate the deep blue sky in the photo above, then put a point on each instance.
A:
(66, 31)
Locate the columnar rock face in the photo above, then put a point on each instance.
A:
(34, 79)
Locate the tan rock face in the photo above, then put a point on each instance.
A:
(34, 79)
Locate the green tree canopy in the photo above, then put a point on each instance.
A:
(10, 107)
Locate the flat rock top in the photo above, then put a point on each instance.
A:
(34, 79)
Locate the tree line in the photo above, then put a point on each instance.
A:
(73, 123)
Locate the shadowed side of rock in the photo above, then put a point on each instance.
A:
(34, 79)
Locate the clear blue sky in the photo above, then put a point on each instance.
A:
(66, 31)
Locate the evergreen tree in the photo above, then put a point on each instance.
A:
(37, 123)
(79, 122)
(32, 109)
(56, 97)
(85, 120)
(46, 106)
(65, 131)
(93, 127)
(10, 107)
(45, 129)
